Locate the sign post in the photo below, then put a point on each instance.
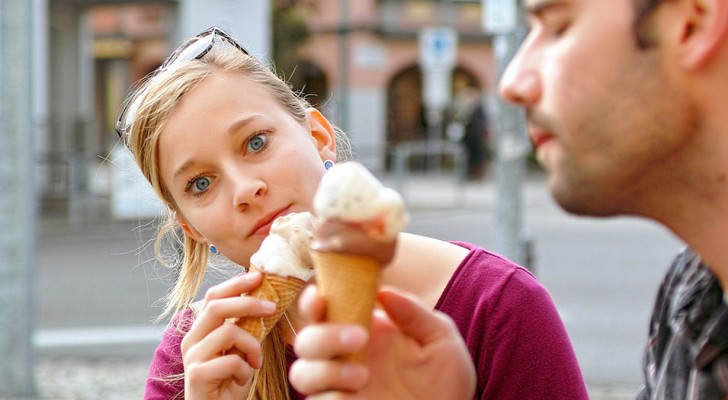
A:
(17, 202)
(438, 56)
(500, 19)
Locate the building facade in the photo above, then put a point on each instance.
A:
(359, 63)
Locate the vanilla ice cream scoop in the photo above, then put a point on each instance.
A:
(285, 251)
(350, 193)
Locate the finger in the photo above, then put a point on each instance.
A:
(216, 312)
(228, 339)
(312, 377)
(311, 306)
(325, 341)
(414, 319)
(219, 370)
(234, 286)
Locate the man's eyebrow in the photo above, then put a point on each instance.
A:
(537, 7)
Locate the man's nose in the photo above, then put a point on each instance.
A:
(520, 83)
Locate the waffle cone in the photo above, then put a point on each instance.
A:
(281, 290)
(278, 289)
(349, 284)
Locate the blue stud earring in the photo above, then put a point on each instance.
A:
(213, 249)
(328, 164)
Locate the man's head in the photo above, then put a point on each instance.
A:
(609, 91)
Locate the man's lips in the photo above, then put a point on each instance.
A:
(539, 137)
(262, 225)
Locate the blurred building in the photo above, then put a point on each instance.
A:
(379, 68)
(355, 60)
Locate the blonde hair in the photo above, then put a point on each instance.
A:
(162, 92)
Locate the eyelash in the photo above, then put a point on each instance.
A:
(191, 183)
(262, 135)
(560, 30)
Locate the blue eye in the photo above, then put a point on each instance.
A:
(199, 185)
(257, 142)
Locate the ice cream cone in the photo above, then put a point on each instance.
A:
(349, 283)
(281, 290)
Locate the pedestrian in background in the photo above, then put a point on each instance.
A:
(468, 125)
(625, 101)
(229, 147)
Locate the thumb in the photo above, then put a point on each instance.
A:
(311, 306)
(415, 320)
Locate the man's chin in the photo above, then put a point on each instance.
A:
(579, 200)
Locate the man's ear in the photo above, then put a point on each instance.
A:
(322, 133)
(704, 31)
(188, 229)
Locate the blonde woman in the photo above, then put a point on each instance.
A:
(229, 147)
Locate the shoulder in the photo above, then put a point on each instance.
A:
(510, 323)
(488, 290)
(486, 275)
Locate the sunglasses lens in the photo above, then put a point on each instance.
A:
(194, 49)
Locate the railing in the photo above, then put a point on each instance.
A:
(64, 176)
(432, 152)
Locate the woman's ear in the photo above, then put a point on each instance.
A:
(323, 134)
(188, 229)
(705, 31)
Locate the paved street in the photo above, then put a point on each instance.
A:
(98, 287)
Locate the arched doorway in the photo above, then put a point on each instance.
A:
(405, 109)
(311, 81)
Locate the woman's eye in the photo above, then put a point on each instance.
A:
(257, 142)
(199, 185)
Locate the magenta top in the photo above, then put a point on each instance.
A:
(510, 325)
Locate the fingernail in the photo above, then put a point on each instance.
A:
(347, 372)
(268, 306)
(250, 276)
(351, 336)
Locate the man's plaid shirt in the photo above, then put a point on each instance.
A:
(687, 353)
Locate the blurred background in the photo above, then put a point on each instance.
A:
(80, 287)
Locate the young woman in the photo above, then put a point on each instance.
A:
(229, 147)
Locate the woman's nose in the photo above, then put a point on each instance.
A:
(248, 191)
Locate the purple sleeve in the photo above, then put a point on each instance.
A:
(509, 322)
(164, 380)
(167, 363)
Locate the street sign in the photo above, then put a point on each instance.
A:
(500, 16)
(438, 48)
(438, 56)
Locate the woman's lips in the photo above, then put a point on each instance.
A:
(262, 226)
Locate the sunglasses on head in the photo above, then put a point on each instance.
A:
(191, 49)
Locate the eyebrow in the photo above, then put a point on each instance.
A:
(537, 7)
(182, 169)
(241, 123)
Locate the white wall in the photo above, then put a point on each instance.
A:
(248, 21)
(367, 125)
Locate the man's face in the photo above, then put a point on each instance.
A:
(602, 114)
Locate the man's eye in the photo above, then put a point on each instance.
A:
(560, 30)
(257, 142)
